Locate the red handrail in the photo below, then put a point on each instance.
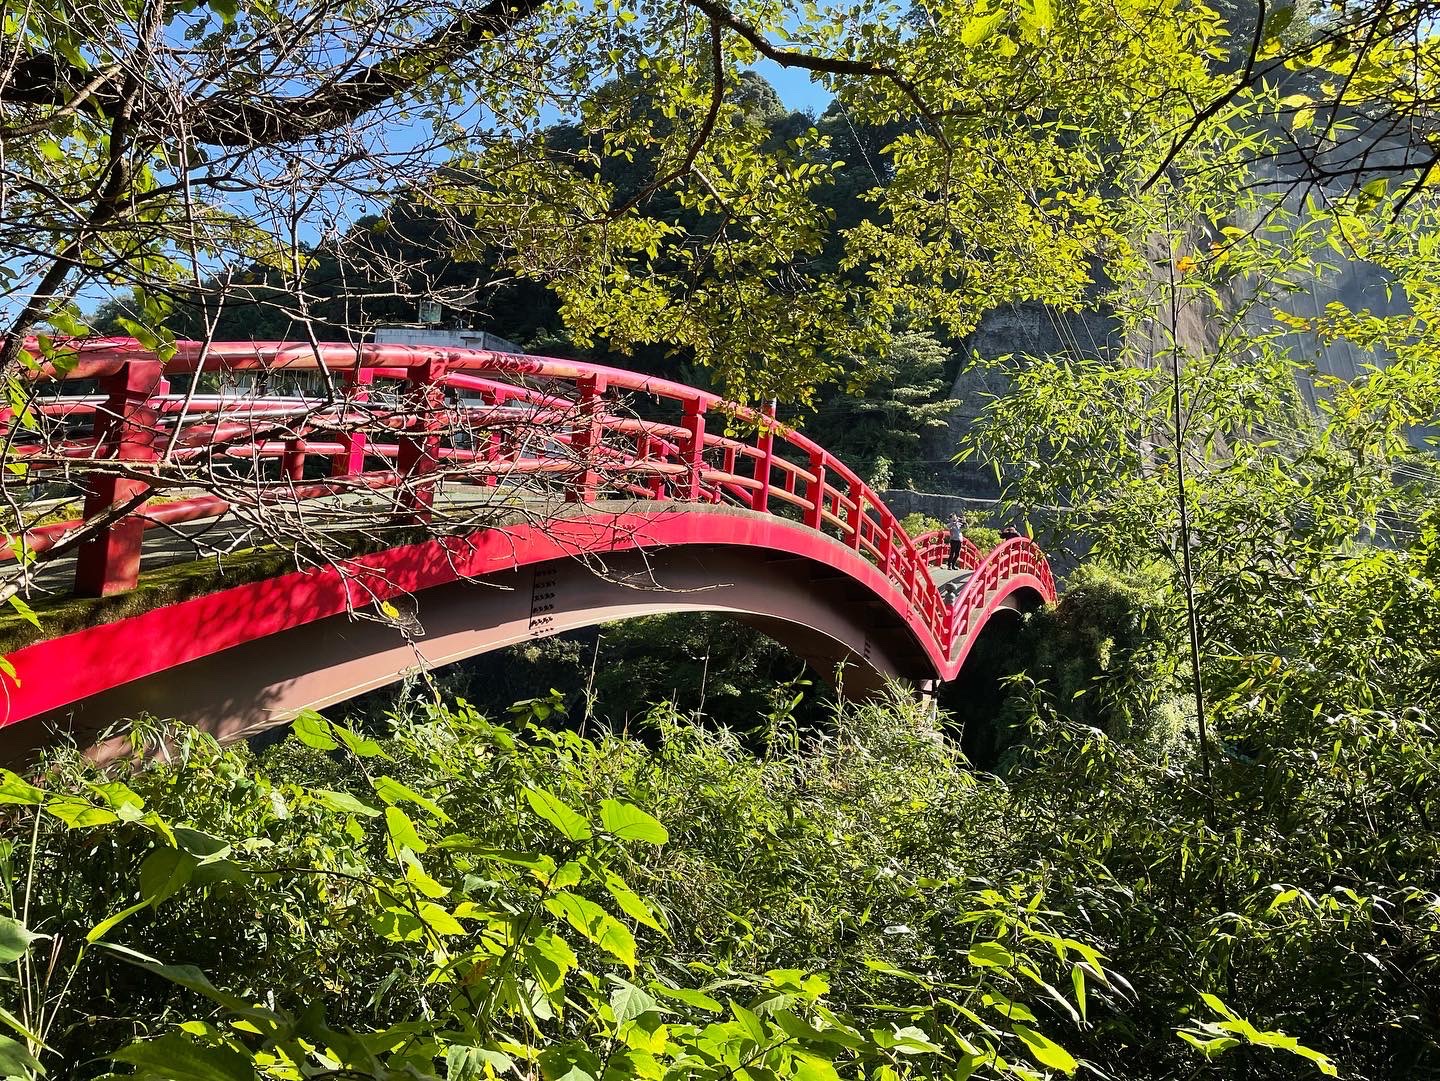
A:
(567, 426)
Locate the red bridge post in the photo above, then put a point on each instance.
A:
(589, 434)
(292, 462)
(492, 437)
(815, 491)
(127, 431)
(352, 460)
(694, 423)
(419, 446)
(760, 501)
(857, 513)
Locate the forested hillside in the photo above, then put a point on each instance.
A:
(1184, 823)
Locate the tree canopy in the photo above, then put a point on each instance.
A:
(167, 148)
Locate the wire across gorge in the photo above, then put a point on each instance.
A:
(414, 421)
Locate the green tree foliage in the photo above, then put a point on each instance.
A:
(1283, 856)
(880, 422)
(681, 218)
(464, 899)
(516, 897)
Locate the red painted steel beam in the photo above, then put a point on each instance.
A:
(62, 670)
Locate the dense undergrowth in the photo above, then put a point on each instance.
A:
(460, 897)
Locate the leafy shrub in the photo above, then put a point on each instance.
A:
(466, 899)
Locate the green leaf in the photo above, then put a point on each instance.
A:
(109, 923)
(749, 1022)
(911, 1041)
(631, 903)
(78, 814)
(313, 730)
(1077, 978)
(981, 27)
(689, 997)
(629, 1001)
(1046, 1051)
(439, 919)
(26, 612)
(345, 803)
(814, 1068)
(402, 830)
(550, 957)
(630, 823)
(15, 1023)
(392, 791)
(571, 824)
(596, 924)
(205, 847)
(15, 939)
(173, 1057)
(164, 871)
(990, 955)
(474, 1063)
(1210, 1048)
(14, 789)
(358, 745)
(16, 1060)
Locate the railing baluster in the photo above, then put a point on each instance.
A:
(110, 562)
(694, 424)
(418, 446)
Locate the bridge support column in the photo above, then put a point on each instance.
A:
(110, 562)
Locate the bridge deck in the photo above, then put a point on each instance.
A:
(223, 538)
(214, 553)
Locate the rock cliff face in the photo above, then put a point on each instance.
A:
(1037, 330)
(1022, 330)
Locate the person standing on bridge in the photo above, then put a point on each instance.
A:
(957, 541)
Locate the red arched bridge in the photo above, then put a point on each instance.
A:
(274, 492)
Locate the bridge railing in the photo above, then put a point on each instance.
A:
(1007, 561)
(407, 422)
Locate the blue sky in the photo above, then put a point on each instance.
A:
(795, 87)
